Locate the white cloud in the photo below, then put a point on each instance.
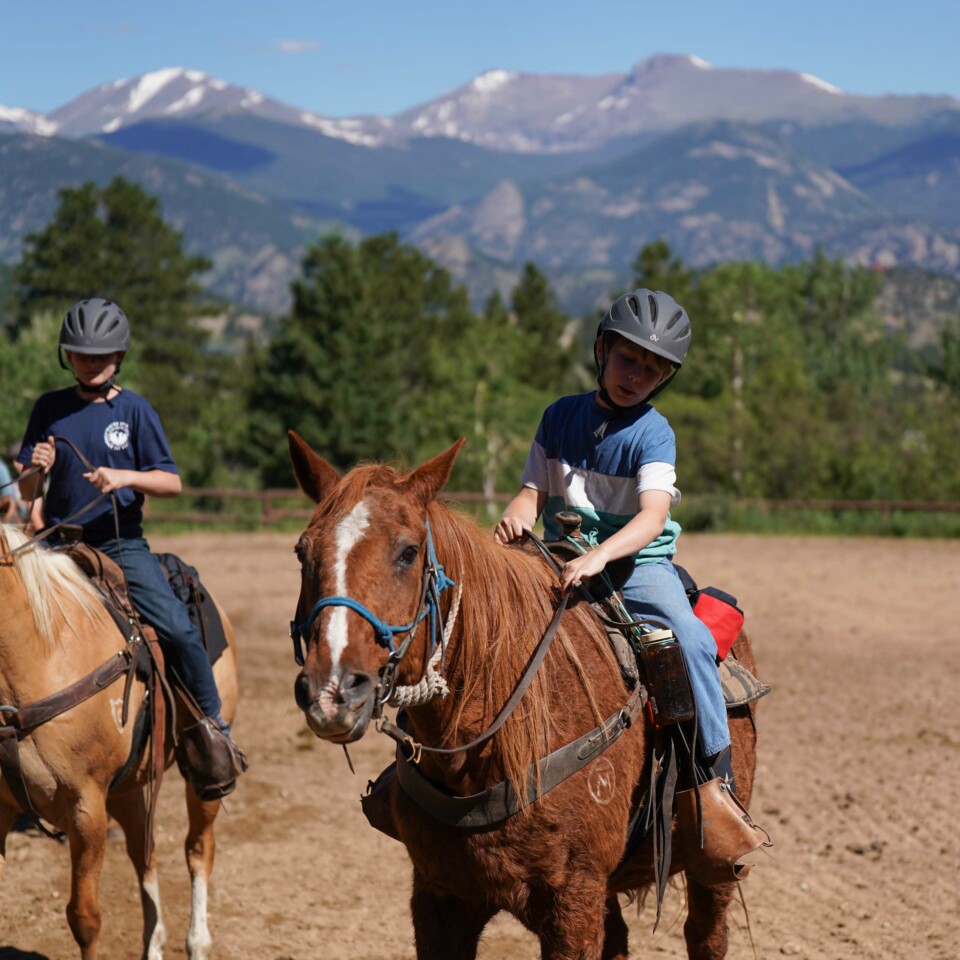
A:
(288, 47)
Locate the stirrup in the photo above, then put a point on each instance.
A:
(728, 834)
(209, 760)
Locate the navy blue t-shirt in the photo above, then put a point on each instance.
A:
(123, 433)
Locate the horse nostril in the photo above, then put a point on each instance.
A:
(355, 688)
(301, 692)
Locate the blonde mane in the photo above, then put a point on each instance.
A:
(49, 580)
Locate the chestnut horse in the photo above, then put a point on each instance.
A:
(55, 630)
(556, 865)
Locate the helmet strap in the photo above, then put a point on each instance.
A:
(606, 398)
(103, 389)
(617, 409)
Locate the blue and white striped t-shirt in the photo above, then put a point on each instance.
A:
(597, 463)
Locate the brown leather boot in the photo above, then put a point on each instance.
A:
(714, 854)
(209, 759)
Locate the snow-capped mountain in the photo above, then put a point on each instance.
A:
(541, 113)
(501, 109)
(18, 120)
(175, 93)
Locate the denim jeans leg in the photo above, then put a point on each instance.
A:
(181, 641)
(654, 590)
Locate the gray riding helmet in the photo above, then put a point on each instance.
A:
(95, 326)
(653, 320)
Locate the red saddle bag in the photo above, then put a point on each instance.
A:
(719, 611)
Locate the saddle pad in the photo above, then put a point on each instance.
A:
(185, 582)
(740, 686)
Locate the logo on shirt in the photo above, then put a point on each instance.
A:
(117, 435)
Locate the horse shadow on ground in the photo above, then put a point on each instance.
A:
(12, 953)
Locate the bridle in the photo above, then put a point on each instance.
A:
(434, 582)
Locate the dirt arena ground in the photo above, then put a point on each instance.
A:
(858, 778)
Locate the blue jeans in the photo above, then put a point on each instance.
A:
(654, 590)
(180, 640)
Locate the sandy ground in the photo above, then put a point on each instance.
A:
(858, 778)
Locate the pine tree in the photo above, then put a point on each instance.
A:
(548, 341)
(112, 242)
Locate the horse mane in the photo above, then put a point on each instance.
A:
(512, 598)
(49, 580)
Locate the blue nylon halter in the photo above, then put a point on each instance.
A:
(435, 581)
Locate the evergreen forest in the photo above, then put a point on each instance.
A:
(795, 387)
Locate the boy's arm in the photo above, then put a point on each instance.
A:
(157, 483)
(644, 528)
(520, 515)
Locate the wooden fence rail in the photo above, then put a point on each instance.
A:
(267, 507)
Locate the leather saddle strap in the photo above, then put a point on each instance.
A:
(500, 802)
(39, 712)
(33, 715)
(158, 724)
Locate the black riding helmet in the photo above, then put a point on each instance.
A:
(651, 319)
(94, 326)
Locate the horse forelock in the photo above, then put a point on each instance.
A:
(509, 598)
(51, 581)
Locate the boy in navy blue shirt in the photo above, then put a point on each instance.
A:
(120, 434)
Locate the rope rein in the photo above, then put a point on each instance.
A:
(432, 684)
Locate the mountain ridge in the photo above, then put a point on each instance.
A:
(574, 173)
(547, 112)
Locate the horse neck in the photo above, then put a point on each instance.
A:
(49, 613)
(506, 605)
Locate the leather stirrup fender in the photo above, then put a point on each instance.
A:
(729, 834)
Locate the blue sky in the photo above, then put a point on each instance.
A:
(349, 57)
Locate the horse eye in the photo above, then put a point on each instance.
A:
(408, 556)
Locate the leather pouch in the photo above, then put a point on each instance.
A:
(376, 803)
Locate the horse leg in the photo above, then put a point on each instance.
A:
(87, 833)
(705, 929)
(574, 928)
(129, 810)
(199, 849)
(615, 933)
(445, 928)
(8, 816)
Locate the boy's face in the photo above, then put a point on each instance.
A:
(94, 369)
(632, 373)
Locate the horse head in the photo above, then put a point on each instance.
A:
(369, 583)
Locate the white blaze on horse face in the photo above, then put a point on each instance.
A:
(349, 532)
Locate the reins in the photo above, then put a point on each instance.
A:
(38, 537)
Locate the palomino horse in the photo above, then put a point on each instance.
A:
(54, 630)
(556, 865)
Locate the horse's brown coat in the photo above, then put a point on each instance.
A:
(554, 866)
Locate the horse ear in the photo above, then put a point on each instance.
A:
(430, 478)
(315, 476)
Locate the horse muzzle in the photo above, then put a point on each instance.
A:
(341, 709)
